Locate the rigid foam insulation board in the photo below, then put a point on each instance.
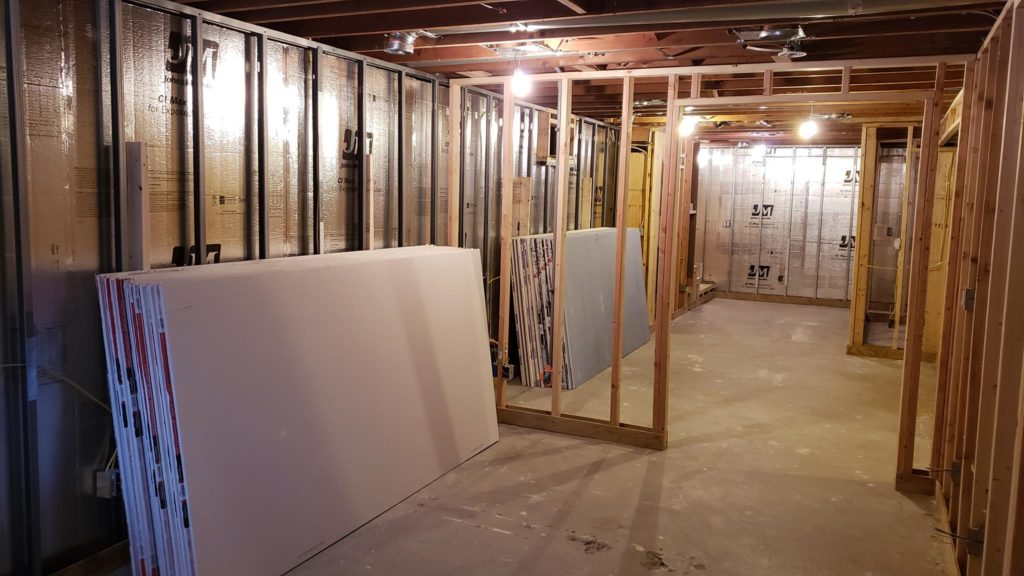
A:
(269, 408)
(589, 292)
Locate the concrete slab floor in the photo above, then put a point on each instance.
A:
(781, 461)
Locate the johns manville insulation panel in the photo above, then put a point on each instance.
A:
(778, 220)
(311, 394)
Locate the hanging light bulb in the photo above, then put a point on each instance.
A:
(808, 129)
(522, 84)
(688, 125)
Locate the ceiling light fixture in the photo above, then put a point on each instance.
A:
(688, 125)
(808, 129)
(521, 83)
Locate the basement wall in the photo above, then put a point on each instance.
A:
(778, 220)
(54, 377)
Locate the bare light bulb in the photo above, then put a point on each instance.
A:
(522, 84)
(808, 129)
(688, 126)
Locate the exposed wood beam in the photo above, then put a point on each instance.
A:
(574, 5)
(938, 19)
(344, 8)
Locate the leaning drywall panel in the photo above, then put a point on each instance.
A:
(588, 291)
(339, 153)
(228, 192)
(231, 414)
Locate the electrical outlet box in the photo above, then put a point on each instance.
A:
(108, 484)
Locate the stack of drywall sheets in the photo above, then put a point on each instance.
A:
(589, 291)
(266, 409)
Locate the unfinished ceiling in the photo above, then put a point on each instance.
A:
(477, 38)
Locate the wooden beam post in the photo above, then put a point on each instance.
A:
(505, 248)
(862, 249)
(558, 298)
(1013, 564)
(845, 88)
(769, 84)
(1004, 334)
(981, 123)
(971, 370)
(690, 148)
(949, 311)
(455, 93)
(666, 234)
(901, 259)
(621, 199)
(923, 212)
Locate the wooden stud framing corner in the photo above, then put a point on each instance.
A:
(668, 230)
(561, 212)
(455, 93)
(923, 212)
(862, 251)
(621, 198)
(666, 249)
(953, 262)
(505, 249)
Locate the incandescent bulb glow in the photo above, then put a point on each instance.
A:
(522, 84)
(808, 129)
(688, 126)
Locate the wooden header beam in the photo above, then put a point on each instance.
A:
(837, 65)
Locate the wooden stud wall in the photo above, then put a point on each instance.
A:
(671, 226)
(977, 460)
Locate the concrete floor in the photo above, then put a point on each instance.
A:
(780, 461)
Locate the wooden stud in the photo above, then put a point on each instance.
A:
(979, 124)
(952, 267)
(663, 295)
(1013, 564)
(581, 426)
(621, 199)
(953, 452)
(971, 370)
(769, 83)
(845, 87)
(690, 148)
(862, 250)
(733, 69)
(923, 212)
(505, 247)
(1004, 335)
(454, 162)
(558, 298)
(901, 258)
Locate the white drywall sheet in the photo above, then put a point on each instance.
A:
(308, 396)
(589, 299)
